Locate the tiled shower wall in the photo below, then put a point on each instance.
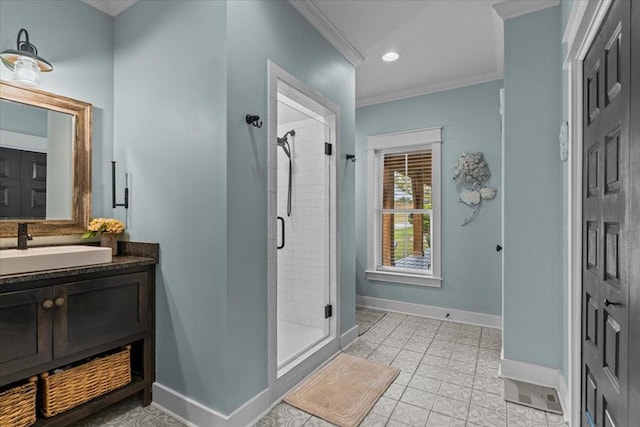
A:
(302, 263)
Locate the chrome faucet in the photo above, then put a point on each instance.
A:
(23, 235)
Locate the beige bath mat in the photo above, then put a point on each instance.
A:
(343, 391)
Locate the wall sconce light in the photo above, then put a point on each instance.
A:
(25, 62)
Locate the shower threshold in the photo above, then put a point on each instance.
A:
(294, 341)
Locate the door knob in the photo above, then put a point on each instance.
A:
(498, 248)
(607, 303)
(59, 302)
(47, 304)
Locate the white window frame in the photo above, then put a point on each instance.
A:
(405, 141)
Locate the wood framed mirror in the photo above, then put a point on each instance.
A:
(52, 195)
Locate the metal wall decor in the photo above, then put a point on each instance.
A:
(471, 174)
(564, 141)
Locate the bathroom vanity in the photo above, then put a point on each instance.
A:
(69, 315)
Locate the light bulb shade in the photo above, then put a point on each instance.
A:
(24, 50)
(26, 71)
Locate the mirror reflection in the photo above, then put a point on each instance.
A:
(36, 162)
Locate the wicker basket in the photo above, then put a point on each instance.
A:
(75, 386)
(18, 405)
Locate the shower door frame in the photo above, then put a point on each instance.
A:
(323, 351)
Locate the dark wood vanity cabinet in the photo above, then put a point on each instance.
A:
(52, 322)
(91, 312)
(25, 330)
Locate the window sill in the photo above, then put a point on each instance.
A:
(404, 278)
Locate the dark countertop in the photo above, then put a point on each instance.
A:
(131, 254)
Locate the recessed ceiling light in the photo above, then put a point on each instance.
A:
(390, 56)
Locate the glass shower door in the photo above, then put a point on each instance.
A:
(303, 235)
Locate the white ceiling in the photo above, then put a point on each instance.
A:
(442, 44)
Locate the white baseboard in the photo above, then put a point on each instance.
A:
(349, 337)
(528, 372)
(541, 375)
(195, 414)
(470, 317)
(565, 399)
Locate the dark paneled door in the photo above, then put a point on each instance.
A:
(634, 276)
(605, 202)
(34, 185)
(10, 176)
(23, 184)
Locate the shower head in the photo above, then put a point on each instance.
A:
(282, 142)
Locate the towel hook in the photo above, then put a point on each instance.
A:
(253, 120)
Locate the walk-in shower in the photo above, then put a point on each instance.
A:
(302, 220)
(302, 212)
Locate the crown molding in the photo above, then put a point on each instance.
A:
(320, 22)
(514, 8)
(110, 7)
(428, 89)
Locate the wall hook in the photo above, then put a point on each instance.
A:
(351, 157)
(253, 120)
(113, 188)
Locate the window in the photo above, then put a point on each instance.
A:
(404, 207)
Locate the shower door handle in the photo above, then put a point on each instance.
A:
(281, 219)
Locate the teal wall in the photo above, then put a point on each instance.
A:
(565, 8)
(533, 282)
(22, 118)
(199, 176)
(170, 136)
(259, 31)
(78, 40)
(471, 267)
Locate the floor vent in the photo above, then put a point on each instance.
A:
(532, 395)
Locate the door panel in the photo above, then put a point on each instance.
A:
(97, 311)
(634, 276)
(34, 185)
(25, 330)
(10, 183)
(23, 184)
(606, 257)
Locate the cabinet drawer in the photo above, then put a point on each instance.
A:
(94, 312)
(25, 329)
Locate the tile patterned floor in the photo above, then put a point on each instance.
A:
(449, 378)
(129, 413)
(366, 318)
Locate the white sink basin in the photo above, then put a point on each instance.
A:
(13, 261)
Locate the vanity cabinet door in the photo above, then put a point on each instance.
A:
(96, 312)
(25, 329)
